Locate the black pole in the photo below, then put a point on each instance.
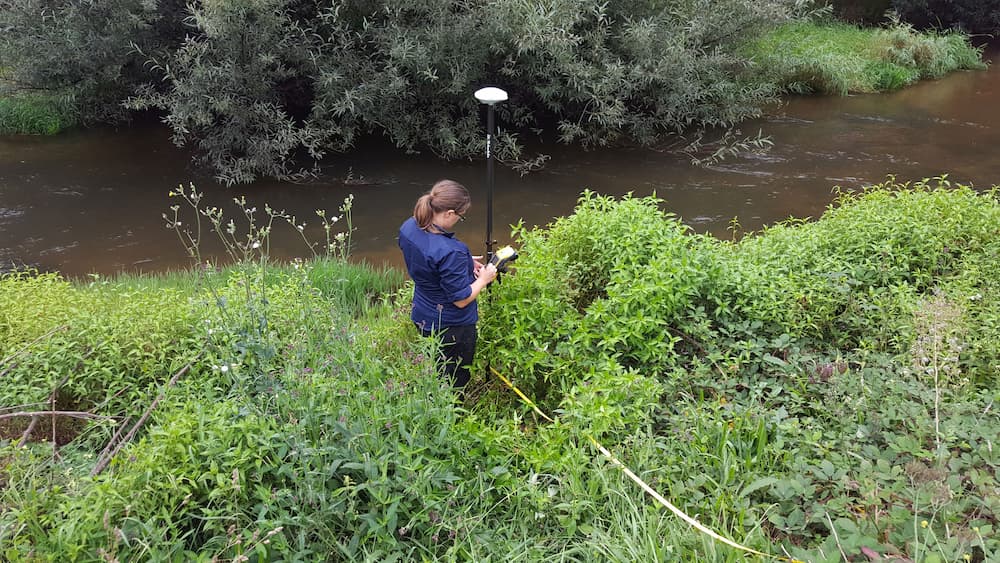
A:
(489, 183)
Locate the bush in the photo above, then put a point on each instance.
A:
(621, 280)
(258, 84)
(87, 345)
(79, 51)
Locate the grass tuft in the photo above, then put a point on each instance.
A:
(35, 114)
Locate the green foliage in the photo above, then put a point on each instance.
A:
(78, 51)
(268, 87)
(234, 87)
(824, 389)
(86, 344)
(258, 83)
(837, 58)
(786, 357)
(34, 115)
(580, 275)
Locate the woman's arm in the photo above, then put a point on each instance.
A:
(484, 276)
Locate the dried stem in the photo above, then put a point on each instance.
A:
(27, 432)
(836, 537)
(71, 414)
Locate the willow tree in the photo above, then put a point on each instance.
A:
(264, 87)
(83, 51)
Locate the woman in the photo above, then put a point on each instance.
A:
(447, 280)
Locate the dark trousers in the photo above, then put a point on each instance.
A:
(458, 347)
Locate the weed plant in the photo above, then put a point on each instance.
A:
(824, 389)
(839, 58)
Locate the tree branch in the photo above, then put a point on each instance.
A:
(71, 414)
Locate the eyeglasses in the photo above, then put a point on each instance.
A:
(461, 216)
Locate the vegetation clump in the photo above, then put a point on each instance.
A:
(34, 115)
(840, 58)
(821, 388)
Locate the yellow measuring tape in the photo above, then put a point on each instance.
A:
(628, 472)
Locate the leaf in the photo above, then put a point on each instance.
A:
(774, 360)
(758, 484)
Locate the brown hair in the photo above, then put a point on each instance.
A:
(444, 195)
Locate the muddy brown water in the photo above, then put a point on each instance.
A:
(91, 201)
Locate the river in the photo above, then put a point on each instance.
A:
(91, 201)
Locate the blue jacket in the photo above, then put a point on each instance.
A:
(442, 271)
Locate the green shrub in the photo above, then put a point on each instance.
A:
(626, 282)
(257, 84)
(88, 339)
(83, 51)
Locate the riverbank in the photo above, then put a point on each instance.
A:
(817, 388)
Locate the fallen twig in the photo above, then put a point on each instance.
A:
(103, 462)
(71, 414)
(19, 408)
(114, 438)
(52, 408)
(27, 432)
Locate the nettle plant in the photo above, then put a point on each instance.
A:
(257, 307)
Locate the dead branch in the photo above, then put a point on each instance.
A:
(18, 408)
(103, 462)
(9, 369)
(71, 414)
(27, 433)
(114, 438)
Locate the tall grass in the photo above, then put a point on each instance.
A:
(349, 286)
(839, 58)
(34, 114)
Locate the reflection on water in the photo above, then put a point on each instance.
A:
(92, 201)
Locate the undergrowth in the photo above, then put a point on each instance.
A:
(819, 389)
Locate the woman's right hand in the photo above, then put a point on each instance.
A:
(484, 276)
(487, 273)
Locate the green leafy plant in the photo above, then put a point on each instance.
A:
(822, 389)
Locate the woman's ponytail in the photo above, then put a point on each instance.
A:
(423, 211)
(444, 195)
